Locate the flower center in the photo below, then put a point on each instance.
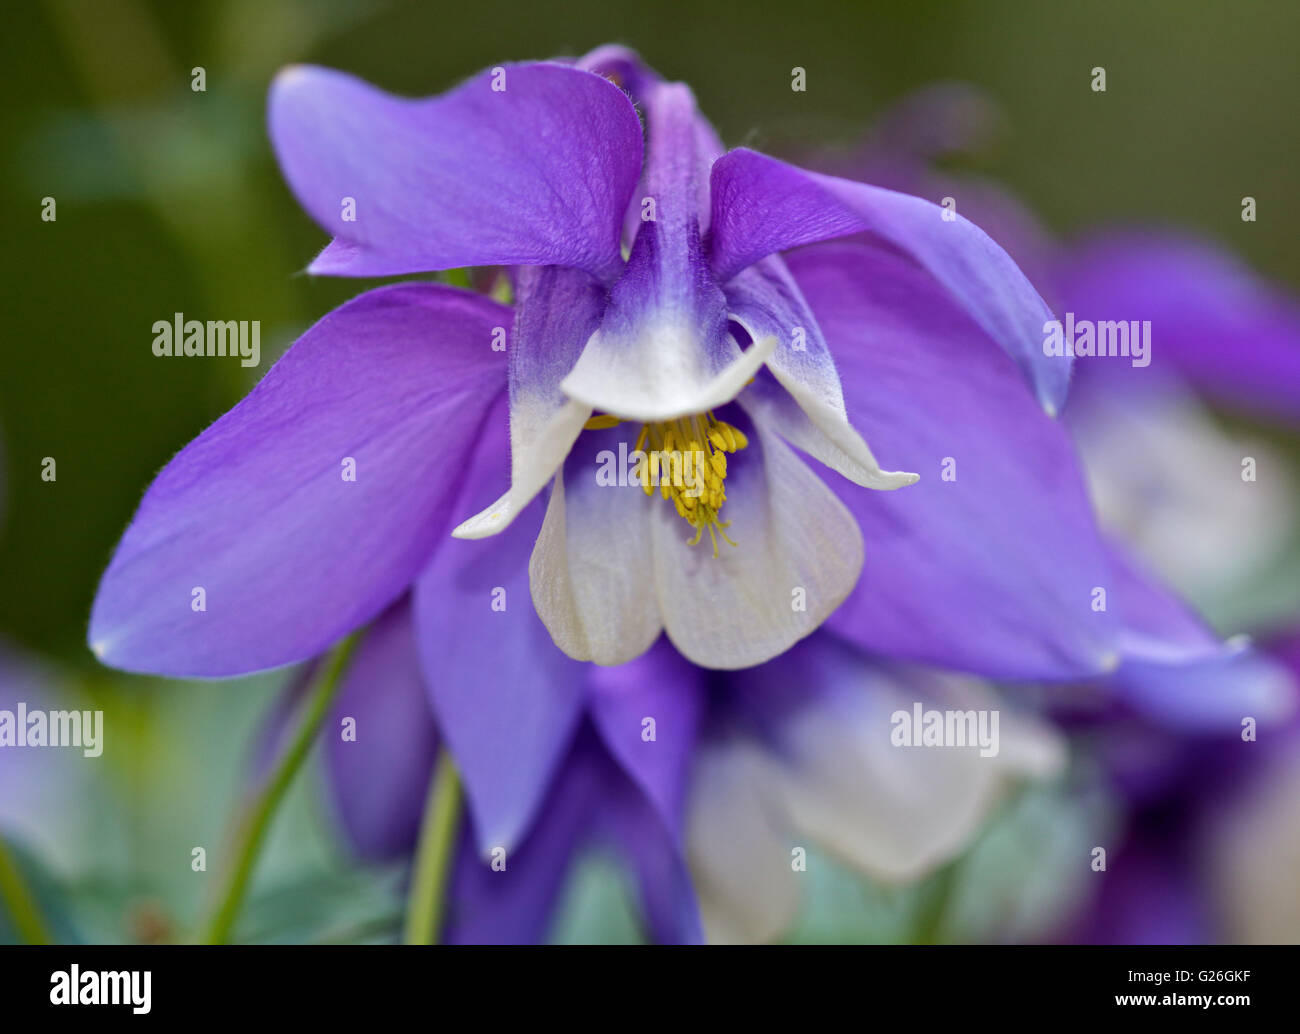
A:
(687, 460)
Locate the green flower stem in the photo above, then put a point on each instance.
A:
(20, 901)
(933, 913)
(433, 856)
(257, 819)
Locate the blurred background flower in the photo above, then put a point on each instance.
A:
(1173, 730)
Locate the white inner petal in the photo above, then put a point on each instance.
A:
(663, 375)
(798, 555)
(586, 583)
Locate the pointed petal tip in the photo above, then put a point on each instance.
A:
(487, 845)
(897, 479)
(287, 74)
(291, 77)
(1239, 643)
(882, 480)
(1052, 390)
(471, 529)
(103, 638)
(322, 265)
(494, 519)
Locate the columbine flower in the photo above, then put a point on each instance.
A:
(704, 334)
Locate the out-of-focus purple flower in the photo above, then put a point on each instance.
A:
(1249, 840)
(1206, 836)
(378, 782)
(800, 754)
(1168, 487)
(1211, 836)
(1221, 328)
(38, 782)
(671, 765)
(539, 167)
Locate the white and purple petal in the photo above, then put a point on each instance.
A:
(663, 349)
(557, 311)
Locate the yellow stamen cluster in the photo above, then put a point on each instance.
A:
(687, 460)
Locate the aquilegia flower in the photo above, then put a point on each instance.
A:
(330, 490)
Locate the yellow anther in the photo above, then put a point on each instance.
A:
(686, 459)
(601, 422)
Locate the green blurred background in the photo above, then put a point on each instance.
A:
(168, 200)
